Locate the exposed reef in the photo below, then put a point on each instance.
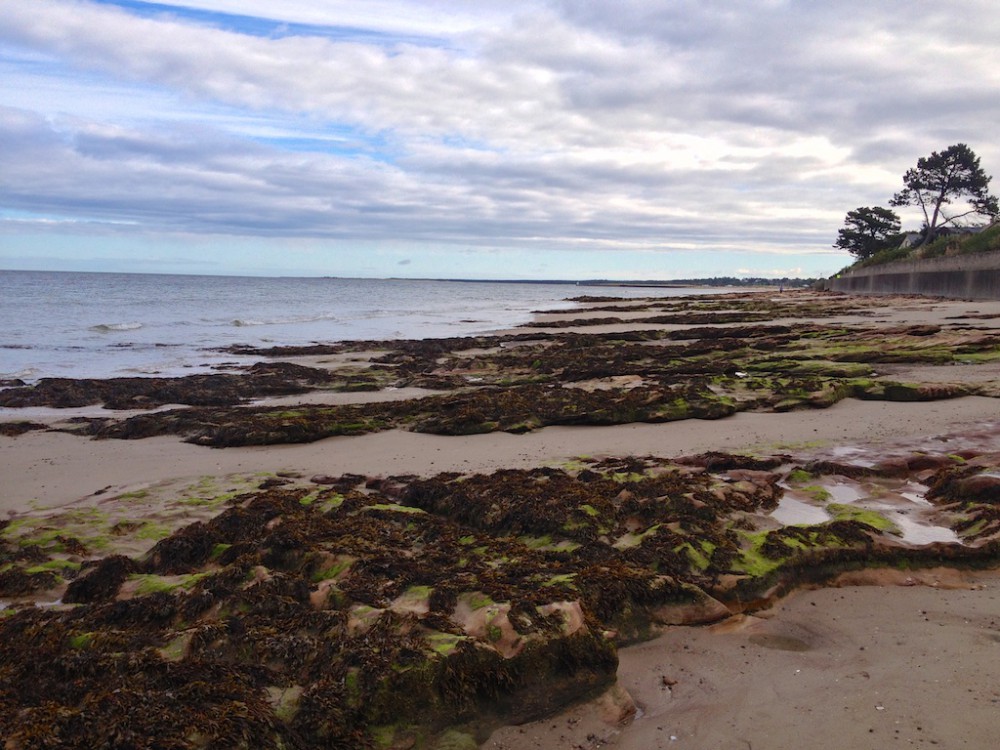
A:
(576, 379)
(354, 612)
(521, 382)
(260, 380)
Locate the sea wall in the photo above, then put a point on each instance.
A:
(974, 276)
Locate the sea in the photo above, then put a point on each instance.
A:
(99, 325)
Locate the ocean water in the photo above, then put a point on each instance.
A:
(103, 325)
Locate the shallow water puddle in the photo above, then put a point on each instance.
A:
(847, 451)
(913, 531)
(902, 503)
(792, 512)
(915, 494)
(841, 492)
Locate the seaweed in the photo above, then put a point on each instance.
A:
(733, 343)
(351, 611)
(413, 605)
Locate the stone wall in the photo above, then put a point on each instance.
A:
(975, 276)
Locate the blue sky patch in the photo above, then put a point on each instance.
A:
(267, 28)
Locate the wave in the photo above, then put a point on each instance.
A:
(292, 320)
(26, 374)
(115, 327)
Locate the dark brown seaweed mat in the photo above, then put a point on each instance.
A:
(292, 593)
(13, 429)
(333, 614)
(739, 343)
(17, 574)
(522, 382)
(973, 491)
(515, 409)
(264, 379)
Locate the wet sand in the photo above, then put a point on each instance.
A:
(875, 666)
(51, 469)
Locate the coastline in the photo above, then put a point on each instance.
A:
(813, 632)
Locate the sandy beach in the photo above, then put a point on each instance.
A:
(889, 658)
(53, 469)
(906, 661)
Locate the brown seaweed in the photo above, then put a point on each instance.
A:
(321, 615)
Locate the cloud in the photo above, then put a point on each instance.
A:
(567, 124)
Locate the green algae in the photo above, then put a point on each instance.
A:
(352, 685)
(455, 740)
(564, 579)
(14, 527)
(817, 492)
(134, 495)
(330, 502)
(479, 600)
(152, 531)
(876, 520)
(57, 566)
(309, 499)
(148, 583)
(417, 593)
(208, 500)
(799, 476)
(81, 640)
(700, 555)
(631, 539)
(333, 571)
(981, 357)
(752, 560)
(972, 531)
(626, 477)
(764, 552)
(396, 508)
(177, 648)
(444, 644)
(536, 542)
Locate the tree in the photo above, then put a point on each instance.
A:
(868, 230)
(939, 179)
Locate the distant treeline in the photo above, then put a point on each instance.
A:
(714, 281)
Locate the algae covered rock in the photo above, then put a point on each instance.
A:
(359, 612)
(215, 646)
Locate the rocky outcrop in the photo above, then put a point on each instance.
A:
(338, 611)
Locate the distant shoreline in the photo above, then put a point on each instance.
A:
(718, 281)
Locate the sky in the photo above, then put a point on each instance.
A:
(528, 139)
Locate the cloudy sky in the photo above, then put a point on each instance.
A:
(463, 138)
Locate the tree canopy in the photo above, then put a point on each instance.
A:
(942, 178)
(868, 230)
